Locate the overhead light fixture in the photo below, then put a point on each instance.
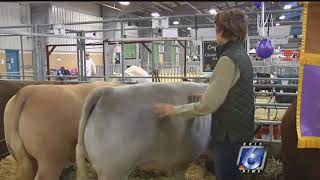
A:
(282, 17)
(125, 3)
(155, 14)
(287, 6)
(213, 11)
(175, 22)
(278, 24)
(189, 28)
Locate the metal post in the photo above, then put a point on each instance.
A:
(152, 60)
(83, 44)
(196, 27)
(263, 9)
(48, 62)
(34, 49)
(81, 58)
(21, 52)
(78, 58)
(185, 59)
(104, 60)
(122, 52)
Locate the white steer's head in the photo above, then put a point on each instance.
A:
(135, 71)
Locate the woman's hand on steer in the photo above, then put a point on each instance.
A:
(163, 110)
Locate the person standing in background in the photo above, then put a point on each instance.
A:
(90, 67)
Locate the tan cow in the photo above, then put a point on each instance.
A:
(41, 125)
(9, 89)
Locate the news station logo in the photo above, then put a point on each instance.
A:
(251, 158)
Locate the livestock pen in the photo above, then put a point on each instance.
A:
(267, 113)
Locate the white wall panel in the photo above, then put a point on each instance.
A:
(14, 14)
(61, 15)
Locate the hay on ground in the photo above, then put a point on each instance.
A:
(8, 167)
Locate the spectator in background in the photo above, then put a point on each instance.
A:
(90, 66)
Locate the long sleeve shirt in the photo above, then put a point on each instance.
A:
(224, 76)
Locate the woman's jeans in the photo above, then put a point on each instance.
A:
(226, 155)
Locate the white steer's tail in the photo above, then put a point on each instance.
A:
(81, 154)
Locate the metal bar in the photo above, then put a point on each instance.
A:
(104, 60)
(88, 44)
(163, 7)
(47, 35)
(276, 94)
(6, 75)
(34, 50)
(196, 27)
(185, 59)
(78, 58)
(15, 26)
(48, 61)
(122, 52)
(152, 62)
(267, 141)
(22, 59)
(274, 85)
(151, 39)
(262, 18)
(275, 79)
(193, 7)
(52, 49)
(83, 49)
(267, 122)
(181, 44)
(272, 104)
(110, 7)
(147, 48)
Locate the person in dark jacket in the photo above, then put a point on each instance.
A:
(229, 95)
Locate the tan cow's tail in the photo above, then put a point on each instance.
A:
(81, 152)
(11, 125)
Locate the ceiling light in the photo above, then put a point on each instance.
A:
(282, 17)
(287, 6)
(189, 28)
(155, 14)
(278, 24)
(125, 3)
(175, 22)
(213, 11)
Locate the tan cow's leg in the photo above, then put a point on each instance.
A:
(25, 170)
(48, 171)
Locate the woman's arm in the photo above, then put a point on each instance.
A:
(224, 76)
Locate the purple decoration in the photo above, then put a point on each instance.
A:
(310, 106)
(258, 4)
(264, 48)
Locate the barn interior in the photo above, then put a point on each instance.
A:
(170, 40)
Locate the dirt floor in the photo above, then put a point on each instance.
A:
(195, 171)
